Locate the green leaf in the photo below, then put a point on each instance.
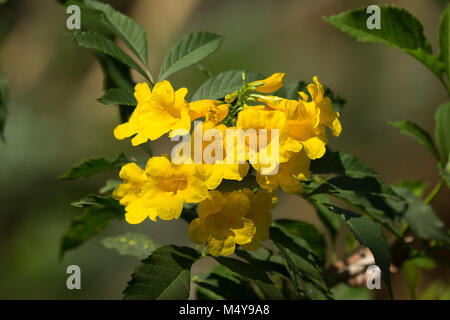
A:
(224, 284)
(399, 29)
(421, 218)
(417, 133)
(302, 263)
(370, 235)
(131, 244)
(416, 187)
(110, 185)
(117, 75)
(164, 275)
(370, 195)
(444, 40)
(305, 231)
(98, 212)
(188, 51)
(342, 163)
(100, 43)
(128, 30)
(290, 91)
(328, 218)
(253, 272)
(92, 166)
(224, 83)
(411, 270)
(117, 96)
(3, 103)
(442, 118)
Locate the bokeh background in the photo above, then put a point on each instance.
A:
(54, 120)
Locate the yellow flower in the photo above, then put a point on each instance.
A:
(211, 110)
(303, 126)
(259, 213)
(288, 176)
(162, 188)
(157, 112)
(221, 222)
(270, 84)
(260, 117)
(328, 117)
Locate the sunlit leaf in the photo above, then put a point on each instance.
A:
(188, 51)
(399, 29)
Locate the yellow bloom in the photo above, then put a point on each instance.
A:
(270, 84)
(260, 117)
(211, 110)
(162, 188)
(288, 176)
(328, 117)
(259, 213)
(221, 222)
(303, 126)
(157, 112)
(303, 123)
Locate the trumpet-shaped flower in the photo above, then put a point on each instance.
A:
(288, 176)
(270, 84)
(259, 213)
(328, 117)
(221, 222)
(157, 112)
(254, 118)
(213, 111)
(162, 189)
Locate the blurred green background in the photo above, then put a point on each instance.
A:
(54, 121)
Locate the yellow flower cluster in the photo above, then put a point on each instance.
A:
(224, 219)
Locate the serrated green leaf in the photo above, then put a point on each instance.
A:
(442, 119)
(342, 163)
(302, 263)
(368, 194)
(164, 275)
(96, 216)
(128, 30)
(421, 218)
(131, 244)
(92, 166)
(91, 19)
(224, 83)
(224, 284)
(305, 231)
(417, 133)
(370, 235)
(188, 51)
(444, 40)
(117, 75)
(399, 29)
(258, 275)
(100, 43)
(3, 104)
(328, 218)
(118, 96)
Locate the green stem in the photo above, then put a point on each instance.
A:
(434, 192)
